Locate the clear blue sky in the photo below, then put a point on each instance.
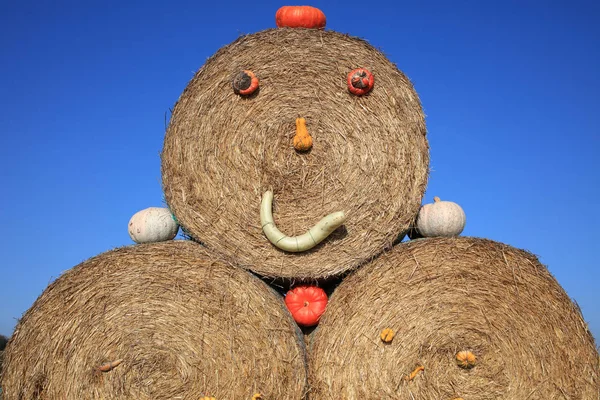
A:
(510, 88)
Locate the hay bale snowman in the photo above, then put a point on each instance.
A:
(299, 154)
(453, 318)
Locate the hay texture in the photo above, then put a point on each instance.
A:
(442, 296)
(369, 158)
(184, 325)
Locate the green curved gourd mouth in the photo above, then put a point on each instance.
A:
(296, 244)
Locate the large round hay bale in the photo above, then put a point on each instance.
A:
(443, 296)
(369, 158)
(184, 325)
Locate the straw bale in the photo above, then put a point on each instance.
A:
(370, 156)
(184, 324)
(446, 295)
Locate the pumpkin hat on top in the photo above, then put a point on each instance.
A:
(315, 170)
(300, 17)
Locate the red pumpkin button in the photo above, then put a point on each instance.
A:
(306, 304)
(360, 81)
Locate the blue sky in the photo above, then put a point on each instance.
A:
(510, 89)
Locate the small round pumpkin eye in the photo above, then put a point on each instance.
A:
(360, 81)
(245, 83)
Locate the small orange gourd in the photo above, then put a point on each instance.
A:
(414, 374)
(387, 335)
(109, 366)
(466, 359)
(257, 396)
(302, 140)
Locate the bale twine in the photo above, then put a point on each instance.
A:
(182, 324)
(446, 295)
(369, 157)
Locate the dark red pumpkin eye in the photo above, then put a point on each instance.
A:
(360, 81)
(245, 83)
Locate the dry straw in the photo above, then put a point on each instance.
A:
(443, 296)
(369, 158)
(165, 321)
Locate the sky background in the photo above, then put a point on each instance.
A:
(510, 89)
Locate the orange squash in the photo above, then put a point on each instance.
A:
(306, 304)
(302, 141)
(300, 17)
(387, 335)
(466, 359)
(415, 372)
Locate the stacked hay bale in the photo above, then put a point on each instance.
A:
(156, 321)
(443, 296)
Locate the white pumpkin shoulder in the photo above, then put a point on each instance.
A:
(441, 218)
(154, 224)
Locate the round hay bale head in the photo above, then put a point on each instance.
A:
(156, 321)
(223, 151)
(443, 296)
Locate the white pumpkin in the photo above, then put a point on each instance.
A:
(441, 218)
(152, 225)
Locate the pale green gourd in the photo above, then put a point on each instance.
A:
(152, 225)
(296, 244)
(441, 218)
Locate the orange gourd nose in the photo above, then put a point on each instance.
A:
(302, 140)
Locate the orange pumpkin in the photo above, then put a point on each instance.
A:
(306, 304)
(302, 141)
(300, 17)
(387, 335)
(466, 359)
(360, 81)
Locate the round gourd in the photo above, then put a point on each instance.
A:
(300, 17)
(360, 81)
(387, 335)
(152, 225)
(466, 359)
(306, 304)
(441, 218)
